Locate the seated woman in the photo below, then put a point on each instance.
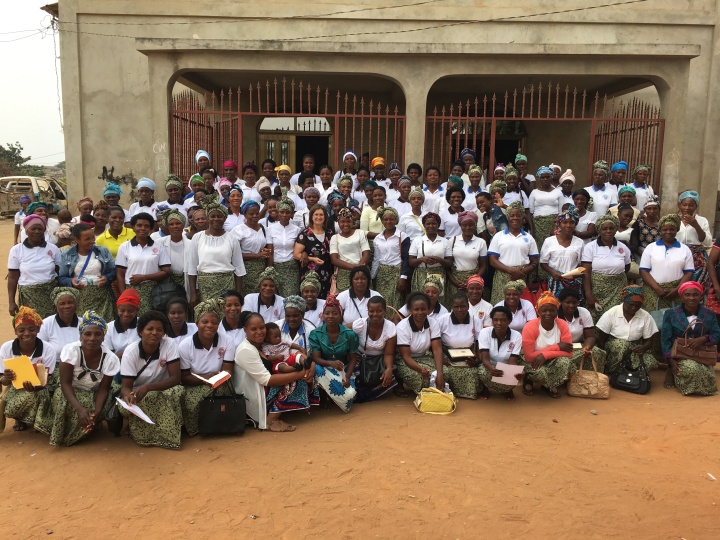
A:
(231, 324)
(459, 330)
(625, 332)
(334, 350)
(121, 332)
(419, 347)
(310, 288)
(521, 309)
(24, 405)
(87, 369)
(177, 314)
(62, 328)
(269, 395)
(582, 331)
(354, 301)
(690, 376)
(205, 353)
(498, 343)
(267, 302)
(547, 347)
(295, 328)
(150, 372)
(377, 341)
(433, 289)
(479, 308)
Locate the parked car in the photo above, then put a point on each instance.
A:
(44, 189)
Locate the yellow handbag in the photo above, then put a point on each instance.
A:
(434, 401)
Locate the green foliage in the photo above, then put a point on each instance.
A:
(13, 163)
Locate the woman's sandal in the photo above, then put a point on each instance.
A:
(278, 426)
(19, 426)
(400, 392)
(484, 393)
(509, 395)
(528, 389)
(552, 392)
(669, 379)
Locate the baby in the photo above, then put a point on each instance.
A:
(275, 351)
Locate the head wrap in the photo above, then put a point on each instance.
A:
(670, 219)
(146, 183)
(567, 175)
(431, 215)
(295, 302)
(27, 315)
(511, 171)
(475, 169)
(349, 153)
(285, 202)
(517, 285)
(632, 293)
(311, 280)
(639, 168)
(212, 305)
(311, 191)
(129, 296)
(58, 292)
(626, 189)
(250, 165)
(571, 214)
(620, 166)
(372, 183)
(173, 180)
(544, 170)
(689, 194)
(29, 220)
(84, 200)
(652, 200)
(230, 164)
(335, 196)
(690, 285)
(475, 279)
(34, 206)
(404, 179)
(455, 180)
(520, 157)
(345, 179)
(462, 217)
(262, 183)
(283, 167)
(225, 182)
(547, 298)
(24, 198)
(417, 191)
(201, 153)
(269, 273)
(602, 166)
(345, 212)
(467, 152)
(515, 205)
(500, 167)
(91, 318)
(435, 280)
(173, 213)
(195, 179)
(332, 301)
(555, 167)
(500, 186)
(387, 210)
(247, 205)
(377, 161)
(394, 167)
(607, 217)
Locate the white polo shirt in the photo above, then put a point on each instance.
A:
(525, 313)
(354, 307)
(602, 198)
(434, 315)
(579, 323)
(196, 358)
(315, 315)
(613, 323)
(559, 258)
(545, 203)
(188, 329)
(138, 208)
(418, 339)
(481, 311)
(237, 335)
(432, 199)
(424, 247)
(36, 264)
(667, 264)
(44, 352)
(116, 340)
(499, 351)
(610, 261)
(467, 254)
(272, 313)
(459, 334)
(373, 347)
(109, 366)
(283, 239)
(156, 370)
(513, 250)
(449, 224)
(141, 260)
(412, 226)
(642, 194)
(58, 334)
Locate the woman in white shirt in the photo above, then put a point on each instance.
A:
(449, 226)
(231, 324)
(582, 330)
(354, 301)
(390, 268)
(585, 228)
(234, 204)
(544, 203)
(603, 194)
(479, 308)
(433, 289)
(522, 310)
(122, 331)
(368, 218)
(62, 328)
(284, 233)
(310, 288)
(146, 203)
(695, 233)
(411, 223)
(267, 302)
(562, 253)
(469, 253)
(430, 254)
(497, 343)
(348, 249)
(176, 244)
(177, 312)
(255, 244)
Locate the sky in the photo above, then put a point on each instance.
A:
(29, 93)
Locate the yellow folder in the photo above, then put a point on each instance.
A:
(24, 371)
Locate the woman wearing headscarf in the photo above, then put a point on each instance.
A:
(121, 332)
(348, 249)
(545, 202)
(402, 203)
(646, 230)
(176, 245)
(284, 233)
(85, 208)
(513, 253)
(24, 405)
(475, 176)
(33, 267)
(52, 226)
(522, 310)
(695, 233)
(206, 353)
(469, 254)
(174, 190)
(312, 249)
(626, 331)
(390, 268)
(197, 185)
(24, 201)
(62, 328)
(525, 180)
(310, 197)
(582, 330)
(294, 327)
(214, 259)
(146, 203)
(567, 184)
(643, 190)
(626, 196)
(433, 289)
(411, 223)
(350, 166)
(479, 308)
(111, 195)
(84, 397)
(607, 262)
(256, 246)
(603, 195)
(267, 302)
(202, 159)
(430, 254)
(547, 348)
(697, 323)
(310, 288)
(345, 186)
(562, 253)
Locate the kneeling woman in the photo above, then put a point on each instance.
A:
(206, 353)
(547, 346)
(582, 331)
(150, 372)
(24, 405)
(87, 369)
(499, 343)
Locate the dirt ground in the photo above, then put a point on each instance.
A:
(538, 468)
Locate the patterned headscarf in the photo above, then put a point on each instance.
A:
(462, 217)
(474, 169)
(602, 165)
(58, 292)
(213, 305)
(547, 298)
(607, 217)
(377, 161)
(652, 200)
(311, 191)
(214, 206)
(285, 202)
(689, 194)
(346, 179)
(344, 212)
(311, 280)
(639, 168)
(269, 273)
(31, 218)
(455, 180)
(417, 191)
(467, 152)
(571, 214)
(173, 213)
(112, 189)
(173, 180)
(247, 205)
(632, 293)
(500, 186)
(197, 179)
(34, 206)
(404, 179)
(91, 318)
(515, 205)
(394, 167)
(435, 280)
(670, 219)
(511, 171)
(475, 279)
(544, 170)
(296, 302)
(431, 215)
(518, 285)
(334, 196)
(27, 315)
(387, 210)
(626, 189)
(332, 301)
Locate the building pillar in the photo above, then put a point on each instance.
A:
(160, 74)
(416, 92)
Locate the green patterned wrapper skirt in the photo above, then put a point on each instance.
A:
(500, 279)
(552, 373)
(288, 277)
(598, 354)
(101, 299)
(606, 288)
(251, 280)
(38, 297)
(213, 285)
(486, 380)
(420, 275)
(451, 290)
(28, 407)
(544, 228)
(342, 280)
(386, 284)
(165, 410)
(652, 302)
(620, 350)
(412, 378)
(463, 381)
(190, 403)
(696, 378)
(145, 290)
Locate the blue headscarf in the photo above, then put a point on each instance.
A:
(620, 166)
(146, 183)
(544, 170)
(690, 194)
(466, 152)
(247, 205)
(112, 189)
(571, 214)
(91, 318)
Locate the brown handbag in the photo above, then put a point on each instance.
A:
(589, 384)
(706, 355)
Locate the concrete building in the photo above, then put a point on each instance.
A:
(123, 61)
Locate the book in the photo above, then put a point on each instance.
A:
(460, 353)
(216, 380)
(24, 371)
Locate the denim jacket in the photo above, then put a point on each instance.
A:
(69, 259)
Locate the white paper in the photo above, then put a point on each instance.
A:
(508, 377)
(137, 411)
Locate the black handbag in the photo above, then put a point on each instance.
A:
(371, 367)
(113, 417)
(632, 380)
(163, 293)
(222, 415)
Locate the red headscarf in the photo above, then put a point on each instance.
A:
(130, 296)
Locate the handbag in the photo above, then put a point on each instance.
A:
(706, 355)
(631, 380)
(589, 384)
(222, 415)
(113, 417)
(659, 314)
(371, 367)
(434, 401)
(163, 293)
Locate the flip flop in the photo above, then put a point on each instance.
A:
(549, 391)
(282, 427)
(528, 389)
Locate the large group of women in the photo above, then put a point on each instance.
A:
(338, 287)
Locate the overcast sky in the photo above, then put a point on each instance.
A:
(28, 94)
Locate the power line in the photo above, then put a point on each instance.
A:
(47, 155)
(23, 37)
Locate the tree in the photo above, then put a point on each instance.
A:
(12, 162)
